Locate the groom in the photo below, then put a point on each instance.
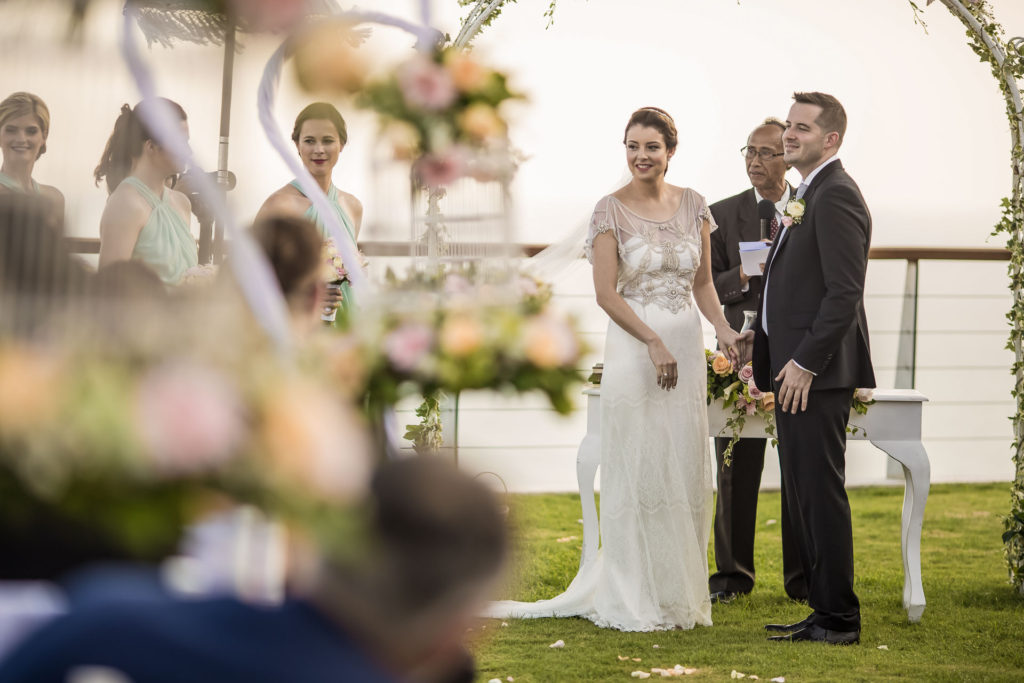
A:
(811, 347)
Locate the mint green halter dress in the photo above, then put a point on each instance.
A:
(165, 243)
(313, 216)
(13, 185)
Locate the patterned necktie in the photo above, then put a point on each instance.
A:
(773, 228)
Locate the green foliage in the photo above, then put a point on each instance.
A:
(987, 39)
(426, 436)
(967, 632)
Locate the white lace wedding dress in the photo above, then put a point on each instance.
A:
(656, 488)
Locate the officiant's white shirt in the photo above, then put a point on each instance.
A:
(782, 235)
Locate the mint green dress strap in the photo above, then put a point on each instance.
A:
(165, 242)
(332, 199)
(313, 216)
(13, 185)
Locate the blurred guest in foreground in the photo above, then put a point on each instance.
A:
(24, 127)
(144, 219)
(394, 607)
(293, 248)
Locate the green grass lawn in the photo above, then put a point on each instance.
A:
(972, 629)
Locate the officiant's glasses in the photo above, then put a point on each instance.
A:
(749, 152)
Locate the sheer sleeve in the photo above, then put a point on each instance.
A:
(600, 222)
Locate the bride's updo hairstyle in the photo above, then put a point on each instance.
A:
(126, 142)
(659, 120)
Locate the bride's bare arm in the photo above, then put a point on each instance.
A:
(730, 341)
(606, 271)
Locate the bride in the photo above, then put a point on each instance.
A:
(649, 245)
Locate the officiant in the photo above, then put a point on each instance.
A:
(738, 483)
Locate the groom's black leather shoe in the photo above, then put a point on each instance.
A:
(817, 634)
(724, 597)
(788, 628)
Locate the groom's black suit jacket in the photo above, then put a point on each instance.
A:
(815, 290)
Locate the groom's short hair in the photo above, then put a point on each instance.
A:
(832, 117)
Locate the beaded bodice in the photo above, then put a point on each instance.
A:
(657, 259)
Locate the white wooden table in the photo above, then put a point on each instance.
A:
(893, 424)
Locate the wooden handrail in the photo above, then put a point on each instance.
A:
(91, 245)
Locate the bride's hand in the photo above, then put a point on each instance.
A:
(737, 346)
(664, 364)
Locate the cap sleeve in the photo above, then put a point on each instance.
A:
(600, 222)
(703, 213)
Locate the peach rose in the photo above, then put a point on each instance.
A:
(315, 441)
(481, 122)
(326, 59)
(29, 390)
(461, 335)
(549, 342)
(768, 401)
(721, 364)
(467, 74)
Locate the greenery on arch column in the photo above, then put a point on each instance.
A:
(1006, 59)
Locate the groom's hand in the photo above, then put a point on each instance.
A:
(795, 385)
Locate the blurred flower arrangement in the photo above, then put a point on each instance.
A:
(455, 331)
(442, 111)
(138, 450)
(741, 397)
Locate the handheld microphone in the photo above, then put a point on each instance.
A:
(766, 212)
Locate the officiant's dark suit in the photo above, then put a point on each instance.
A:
(812, 314)
(739, 482)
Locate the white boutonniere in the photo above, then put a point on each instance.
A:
(794, 212)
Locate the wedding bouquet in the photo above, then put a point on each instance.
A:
(739, 395)
(335, 275)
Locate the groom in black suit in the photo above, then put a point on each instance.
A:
(811, 347)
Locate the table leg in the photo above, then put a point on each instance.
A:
(917, 474)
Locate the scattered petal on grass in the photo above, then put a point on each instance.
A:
(883, 647)
(656, 647)
(504, 624)
(687, 671)
(494, 680)
(636, 659)
(770, 522)
(737, 674)
(623, 658)
(565, 539)
(640, 674)
(778, 679)
(510, 679)
(579, 521)
(753, 677)
(557, 644)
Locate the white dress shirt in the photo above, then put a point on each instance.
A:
(808, 179)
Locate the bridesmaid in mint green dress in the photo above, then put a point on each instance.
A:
(24, 127)
(144, 220)
(319, 135)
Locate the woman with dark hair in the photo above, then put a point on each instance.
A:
(649, 243)
(24, 127)
(293, 248)
(144, 219)
(319, 135)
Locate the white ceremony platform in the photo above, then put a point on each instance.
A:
(893, 424)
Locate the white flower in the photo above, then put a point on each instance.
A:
(795, 208)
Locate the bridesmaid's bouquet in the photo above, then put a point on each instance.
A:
(335, 276)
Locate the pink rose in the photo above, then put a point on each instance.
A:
(787, 221)
(864, 395)
(426, 85)
(746, 374)
(754, 392)
(408, 345)
(743, 405)
(190, 418)
(438, 169)
(456, 285)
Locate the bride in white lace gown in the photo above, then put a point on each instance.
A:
(649, 244)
